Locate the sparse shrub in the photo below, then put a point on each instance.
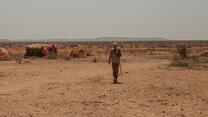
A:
(94, 60)
(182, 51)
(150, 53)
(191, 62)
(180, 63)
(74, 45)
(60, 55)
(67, 58)
(52, 55)
(204, 54)
(18, 58)
(27, 61)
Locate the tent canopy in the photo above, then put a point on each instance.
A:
(4, 54)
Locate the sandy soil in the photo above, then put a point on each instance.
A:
(81, 88)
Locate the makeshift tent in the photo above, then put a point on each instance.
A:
(78, 53)
(40, 50)
(4, 54)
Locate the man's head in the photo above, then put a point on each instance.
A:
(115, 44)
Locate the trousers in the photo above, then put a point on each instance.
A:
(115, 67)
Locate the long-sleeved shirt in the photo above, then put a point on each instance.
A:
(115, 55)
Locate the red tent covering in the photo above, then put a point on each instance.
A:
(78, 53)
(4, 54)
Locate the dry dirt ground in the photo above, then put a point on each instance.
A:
(81, 88)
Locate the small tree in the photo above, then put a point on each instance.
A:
(94, 60)
(182, 51)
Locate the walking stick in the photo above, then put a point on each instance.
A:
(121, 72)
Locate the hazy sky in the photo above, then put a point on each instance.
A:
(173, 19)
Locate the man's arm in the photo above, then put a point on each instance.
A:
(110, 57)
(120, 52)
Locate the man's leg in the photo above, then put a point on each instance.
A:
(115, 71)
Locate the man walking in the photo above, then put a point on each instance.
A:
(114, 57)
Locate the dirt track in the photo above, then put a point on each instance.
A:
(58, 88)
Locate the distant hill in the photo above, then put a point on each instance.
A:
(111, 39)
(88, 39)
(4, 40)
(129, 39)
